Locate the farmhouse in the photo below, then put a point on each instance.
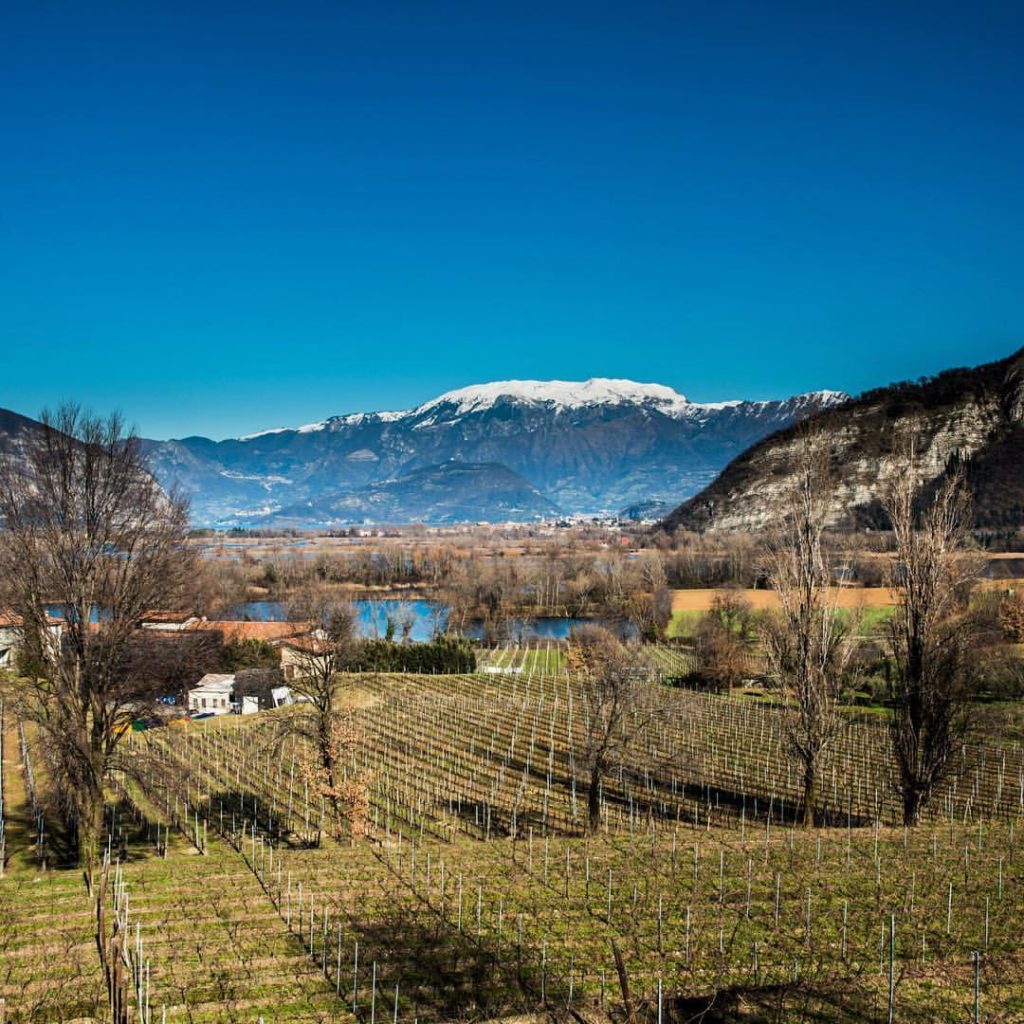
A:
(248, 704)
(300, 653)
(213, 693)
(8, 640)
(11, 637)
(220, 693)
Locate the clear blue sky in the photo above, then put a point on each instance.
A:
(222, 217)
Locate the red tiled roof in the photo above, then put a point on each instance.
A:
(11, 619)
(159, 615)
(256, 630)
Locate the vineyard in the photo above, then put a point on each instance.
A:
(479, 892)
(549, 658)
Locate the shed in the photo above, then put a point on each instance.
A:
(281, 696)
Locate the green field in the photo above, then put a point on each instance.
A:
(871, 620)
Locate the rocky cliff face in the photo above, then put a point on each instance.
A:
(1015, 391)
(976, 415)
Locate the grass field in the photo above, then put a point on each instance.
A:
(479, 894)
(761, 600)
(871, 605)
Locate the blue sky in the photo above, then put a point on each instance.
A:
(222, 217)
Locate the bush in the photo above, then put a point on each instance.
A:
(250, 653)
(445, 655)
(1000, 675)
(1011, 617)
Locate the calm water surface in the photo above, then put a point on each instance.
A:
(426, 617)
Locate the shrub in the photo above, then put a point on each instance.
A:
(250, 653)
(445, 655)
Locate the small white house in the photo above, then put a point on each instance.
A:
(11, 638)
(281, 696)
(8, 643)
(213, 693)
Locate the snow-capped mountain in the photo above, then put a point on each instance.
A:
(560, 395)
(586, 446)
(557, 396)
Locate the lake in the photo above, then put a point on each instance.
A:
(427, 616)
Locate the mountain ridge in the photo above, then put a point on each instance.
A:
(585, 447)
(972, 414)
(561, 395)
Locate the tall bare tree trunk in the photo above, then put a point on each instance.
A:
(807, 643)
(810, 794)
(88, 830)
(931, 630)
(327, 761)
(86, 526)
(911, 803)
(594, 798)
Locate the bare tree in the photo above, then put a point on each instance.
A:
(649, 613)
(808, 645)
(85, 527)
(171, 662)
(405, 620)
(614, 716)
(931, 632)
(1011, 616)
(723, 639)
(318, 656)
(578, 593)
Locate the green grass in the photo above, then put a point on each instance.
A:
(683, 625)
(872, 618)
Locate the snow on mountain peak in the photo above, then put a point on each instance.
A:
(309, 428)
(352, 419)
(824, 397)
(557, 395)
(560, 394)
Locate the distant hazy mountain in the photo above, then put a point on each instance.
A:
(974, 416)
(454, 492)
(586, 447)
(513, 450)
(645, 511)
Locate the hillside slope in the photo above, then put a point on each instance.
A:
(972, 413)
(16, 430)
